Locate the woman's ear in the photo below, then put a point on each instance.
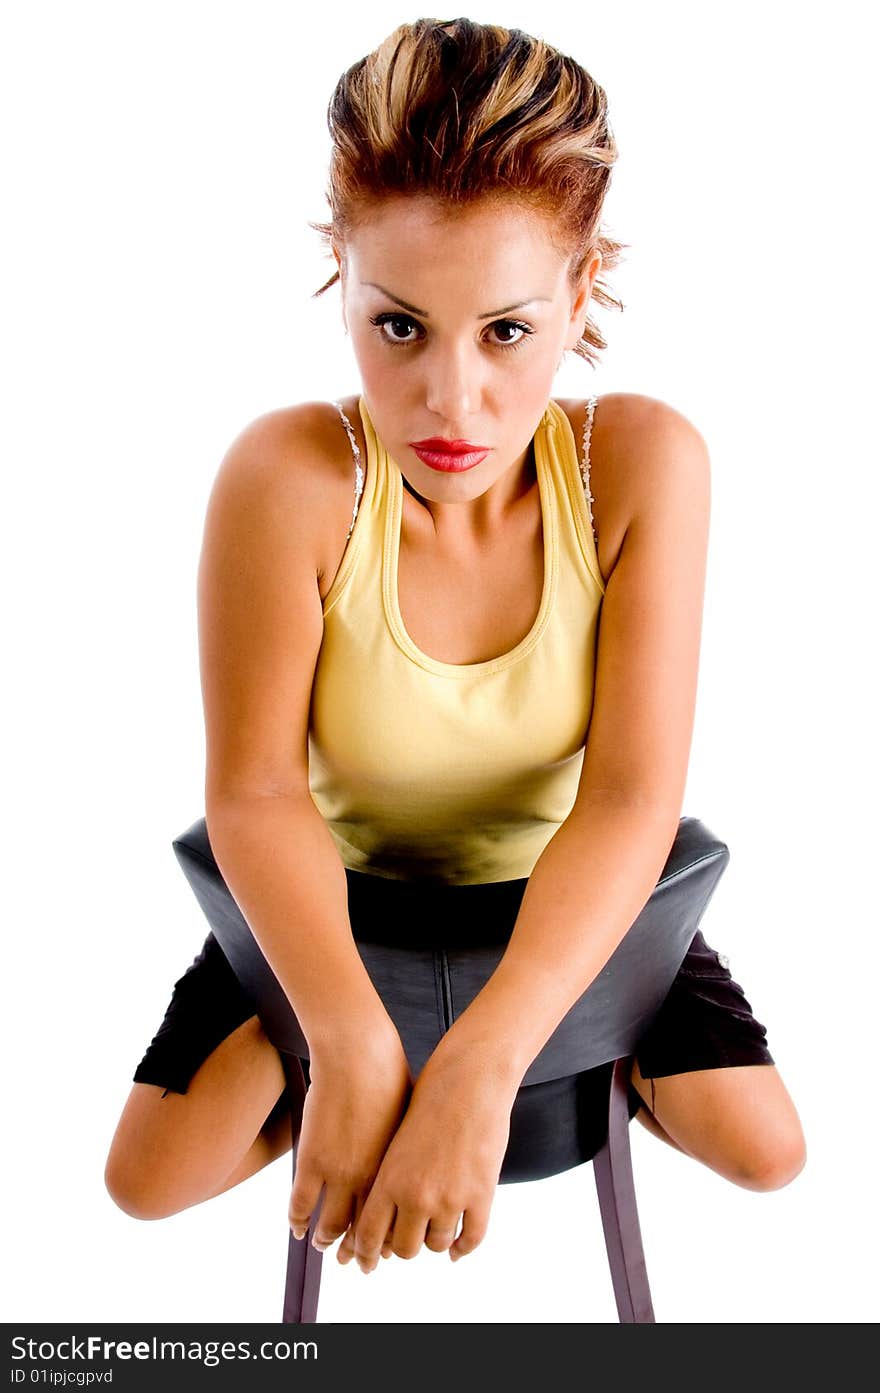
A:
(340, 266)
(582, 297)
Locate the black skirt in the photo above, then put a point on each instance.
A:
(705, 1021)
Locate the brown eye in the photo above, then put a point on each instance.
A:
(507, 327)
(398, 324)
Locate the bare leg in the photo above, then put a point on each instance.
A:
(644, 1114)
(273, 1141)
(169, 1153)
(740, 1121)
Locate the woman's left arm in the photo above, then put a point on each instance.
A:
(601, 866)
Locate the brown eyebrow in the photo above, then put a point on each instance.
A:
(493, 314)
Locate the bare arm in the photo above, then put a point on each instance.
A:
(600, 868)
(260, 630)
(281, 864)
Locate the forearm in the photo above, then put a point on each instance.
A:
(590, 883)
(279, 861)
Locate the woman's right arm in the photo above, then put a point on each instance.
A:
(260, 630)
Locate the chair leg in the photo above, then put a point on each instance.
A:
(612, 1168)
(303, 1280)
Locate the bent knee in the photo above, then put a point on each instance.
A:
(135, 1193)
(774, 1166)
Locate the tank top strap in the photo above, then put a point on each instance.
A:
(571, 471)
(585, 460)
(358, 467)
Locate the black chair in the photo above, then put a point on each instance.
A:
(428, 983)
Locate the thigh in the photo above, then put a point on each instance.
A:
(704, 1071)
(171, 1150)
(738, 1120)
(208, 1085)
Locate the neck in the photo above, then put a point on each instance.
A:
(479, 520)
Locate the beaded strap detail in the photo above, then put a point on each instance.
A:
(585, 461)
(358, 467)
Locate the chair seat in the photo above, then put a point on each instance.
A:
(425, 988)
(570, 1108)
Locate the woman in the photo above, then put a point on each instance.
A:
(405, 681)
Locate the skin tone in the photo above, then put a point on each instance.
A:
(457, 369)
(422, 290)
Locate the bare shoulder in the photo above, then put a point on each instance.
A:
(280, 505)
(293, 468)
(650, 483)
(646, 459)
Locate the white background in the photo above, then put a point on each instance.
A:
(160, 164)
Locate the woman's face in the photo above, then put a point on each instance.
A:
(458, 320)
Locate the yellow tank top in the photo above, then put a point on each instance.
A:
(457, 772)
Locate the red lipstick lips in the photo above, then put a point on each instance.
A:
(449, 456)
(446, 447)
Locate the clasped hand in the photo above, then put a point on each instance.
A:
(442, 1163)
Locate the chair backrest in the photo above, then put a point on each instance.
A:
(604, 1024)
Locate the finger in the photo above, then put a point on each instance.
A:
(334, 1218)
(473, 1230)
(345, 1251)
(377, 1219)
(409, 1232)
(304, 1196)
(441, 1233)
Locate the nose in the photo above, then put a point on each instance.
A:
(452, 387)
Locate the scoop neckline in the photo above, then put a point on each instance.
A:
(391, 559)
